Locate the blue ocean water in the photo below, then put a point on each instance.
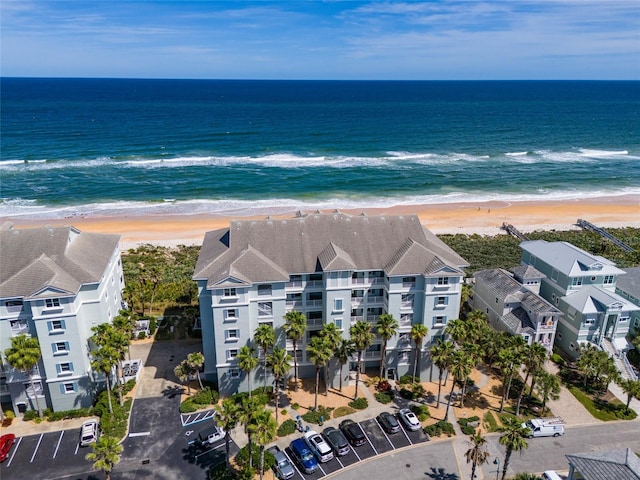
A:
(117, 146)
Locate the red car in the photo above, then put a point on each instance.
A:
(6, 442)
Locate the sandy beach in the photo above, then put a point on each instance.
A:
(484, 218)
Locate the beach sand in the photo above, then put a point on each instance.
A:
(484, 218)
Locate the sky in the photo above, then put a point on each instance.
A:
(325, 40)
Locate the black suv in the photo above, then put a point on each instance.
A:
(353, 432)
(388, 422)
(336, 439)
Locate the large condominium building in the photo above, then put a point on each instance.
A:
(334, 268)
(583, 287)
(55, 285)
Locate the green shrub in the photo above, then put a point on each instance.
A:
(384, 397)
(421, 411)
(490, 422)
(153, 325)
(468, 429)
(47, 412)
(242, 457)
(313, 416)
(30, 415)
(220, 472)
(128, 386)
(286, 428)
(203, 397)
(284, 411)
(142, 335)
(440, 428)
(407, 379)
(188, 406)
(557, 359)
(342, 411)
(9, 414)
(359, 404)
(116, 425)
(295, 406)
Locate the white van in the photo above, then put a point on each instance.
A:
(544, 427)
(551, 475)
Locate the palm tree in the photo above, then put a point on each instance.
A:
(265, 336)
(295, 325)
(24, 355)
(196, 361)
(125, 322)
(513, 438)
(105, 455)
(247, 412)
(103, 361)
(247, 362)
(510, 359)
(548, 387)
(264, 429)
(332, 337)
(318, 352)
(478, 454)
(343, 352)
(183, 371)
(418, 334)
(460, 367)
(534, 358)
(362, 338)
(386, 328)
(227, 413)
(631, 388)
(441, 356)
(457, 329)
(280, 363)
(107, 335)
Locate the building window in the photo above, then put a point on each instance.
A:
(232, 335)
(559, 335)
(56, 326)
(443, 280)
(231, 314)
(232, 354)
(338, 322)
(588, 321)
(52, 302)
(623, 319)
(264, 290)
(60, 348)
(229, 292)
(337, 305)
(234, 373)
(71, 387)
(439, 320)
(442, 301)
(609, 279)
(576, 281)
(64, 368)
(265, 309)
(408, 281)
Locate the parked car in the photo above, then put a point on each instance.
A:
(388, 422)
(303, 456)
(318, 446)
(88, 433)
(211, 435)
(6, 442)
(353, 432)
(336, 440)
(282, 468)
(409, 419)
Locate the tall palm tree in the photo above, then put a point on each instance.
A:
(441, 356)
(280, 363)
(513, 438)
(510, 359)
(631, 388)
(343, 353)
(457, 329)
(295, 325)
(386, 328)
(247, 412)
(265, 337)
(548, 387)
(247, 362)
(105, 455)
(102, 361)
(228, 415)
(534, 358)
(107, 335)
(183, 371)
(125, 322)
(196, 361)
(332, 335)
(478, 454)
(460, 367)
(362, 338)
(264, 430)
(318, 352)
(23, 355)
(418, 334)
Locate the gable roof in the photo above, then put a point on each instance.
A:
(326, 242)
(620, 464)
(569, 259)
(630, 283)
(590, 299)
(36, 261)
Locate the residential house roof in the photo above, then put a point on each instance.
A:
(621, 464)
(51, 261)
(590, 299)
(527, 271)
(569, 259)
(630, 283)
(326, 242)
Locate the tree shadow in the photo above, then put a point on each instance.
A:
(440, 474)
(173, 391)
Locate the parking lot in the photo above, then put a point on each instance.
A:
(378, 442)
(31, 455)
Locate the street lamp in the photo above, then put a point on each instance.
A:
(496, 462)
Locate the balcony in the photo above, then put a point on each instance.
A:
(294, 284)
(371, 300)
(378, 281)
(315, 303)
(357, 281)
(315, 322)
(408, 284)
(314, 283)
(357, 300)
(373, 318)
(294, 304)
(406, 305)
(369, 355)
(357, 318)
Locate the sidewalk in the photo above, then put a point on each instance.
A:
(20, 428)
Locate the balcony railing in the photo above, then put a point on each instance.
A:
(356, 318)
(378, 281)
(19, 329)
(314, 283)
(373, 318)
(357, 300)
(315, 322)
(357, 281)
(406, 305)
(369, 354)
(408, 284)
(295, 284)
(315, 303)
(291, 304)
(375, 299)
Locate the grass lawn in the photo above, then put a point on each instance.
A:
(602, 410)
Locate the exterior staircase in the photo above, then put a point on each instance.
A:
(620, 360)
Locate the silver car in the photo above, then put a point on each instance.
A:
(282, 467)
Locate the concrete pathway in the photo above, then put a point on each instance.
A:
(567, 406)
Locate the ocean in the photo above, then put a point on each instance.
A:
(136, 147)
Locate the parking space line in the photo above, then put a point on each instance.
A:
(58, 445)
(293, 464)
(77, 447)
(210, 450)
(405, 434)
(324, 474)
(37, 446)
(385, 434)
(14, 452)
(354, 451)
(367, 437)
(341, 465)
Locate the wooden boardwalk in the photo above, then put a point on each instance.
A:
(603, 233)
(514, 232)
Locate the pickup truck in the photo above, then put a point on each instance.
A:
(282, 468)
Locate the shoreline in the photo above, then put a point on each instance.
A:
(483, 218)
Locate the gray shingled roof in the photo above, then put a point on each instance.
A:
(527, 271)
(59, 259)
(630, 282)
(590, 299)
(620, 464)
(398, 244)
(518, 322)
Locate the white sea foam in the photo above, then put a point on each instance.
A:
(516, 154)
(602, 153)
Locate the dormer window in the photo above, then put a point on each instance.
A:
(52, 302)
(609, 279)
